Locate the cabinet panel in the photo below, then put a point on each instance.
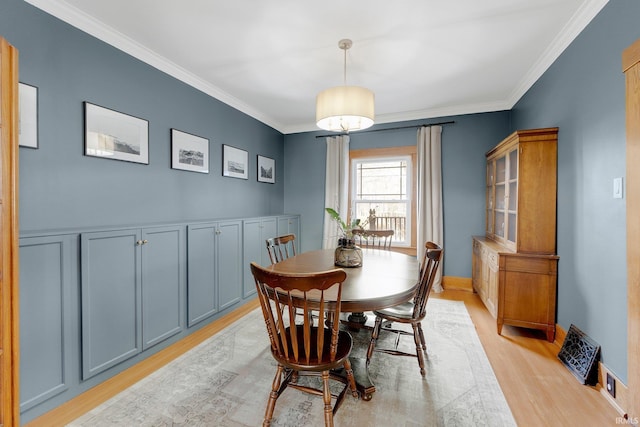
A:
(162, 283)
(45, 279)
(255, 232)
(229, 263)
(111, 294)
(290, 225)
(491, 299)
(533, 288)
(201, 292)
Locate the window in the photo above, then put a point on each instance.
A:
(382, 188)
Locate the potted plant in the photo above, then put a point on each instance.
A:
(347, 254)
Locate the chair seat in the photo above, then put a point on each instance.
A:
(400, 312)
(410, 312)
(345, 343)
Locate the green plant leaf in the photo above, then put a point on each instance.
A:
(336, 216)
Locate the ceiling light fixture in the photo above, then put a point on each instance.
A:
(345, 108)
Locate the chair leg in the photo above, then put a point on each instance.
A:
(350, 378)
(416, 339)
(424, 343)
(326, 395)
(273, 396)
(374, 338)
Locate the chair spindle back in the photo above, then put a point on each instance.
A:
(282, 296)
(281, 247)
(428, 272)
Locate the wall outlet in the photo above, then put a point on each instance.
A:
(611, 385)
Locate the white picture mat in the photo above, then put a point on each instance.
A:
(28, 116)
(189, 152)
(115, 135)
(235, 162)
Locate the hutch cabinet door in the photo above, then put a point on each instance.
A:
(163, 268)
(111, 293)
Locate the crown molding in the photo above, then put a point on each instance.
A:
(98, 29)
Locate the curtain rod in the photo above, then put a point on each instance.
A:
(394, 128)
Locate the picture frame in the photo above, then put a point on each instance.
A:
(27, 116)
(266, 169)
(189, 152)
(113, 135)
(235, 162)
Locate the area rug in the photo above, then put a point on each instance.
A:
(225, 381)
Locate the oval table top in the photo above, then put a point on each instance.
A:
(385, 279)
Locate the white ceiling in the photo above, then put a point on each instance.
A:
(270, 58)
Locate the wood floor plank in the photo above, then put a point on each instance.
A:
(539, 389)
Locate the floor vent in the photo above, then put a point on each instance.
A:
(580, 354)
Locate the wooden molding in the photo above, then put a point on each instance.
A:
(78, 406)
(631, 56)
(458, 283)
(631, 68)
(9, 273)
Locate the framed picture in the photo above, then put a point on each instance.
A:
(266, 169)
(27, 116)
(189, 152)
(113, 135)
(235, 162)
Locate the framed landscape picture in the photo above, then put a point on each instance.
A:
(113, 135)
(235, 162)
(266, 169)
(27, 116)
(189, 152)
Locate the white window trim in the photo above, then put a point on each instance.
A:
(406, 157)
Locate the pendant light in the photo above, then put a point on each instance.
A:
(345, 108)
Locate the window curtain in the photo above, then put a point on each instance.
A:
(429, 203)
(336, 193)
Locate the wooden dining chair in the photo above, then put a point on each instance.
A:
(309, 348)
(281, 247)
(377, 239)
(411, 312)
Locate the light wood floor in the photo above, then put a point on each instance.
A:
(539, 389)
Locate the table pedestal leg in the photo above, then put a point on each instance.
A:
(358, 317)
(363, 382)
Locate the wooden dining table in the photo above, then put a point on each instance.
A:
(385, 279)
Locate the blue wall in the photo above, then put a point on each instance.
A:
(583, 93)
(61, 188)
(464, 145)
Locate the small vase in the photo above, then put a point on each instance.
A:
(347, 254)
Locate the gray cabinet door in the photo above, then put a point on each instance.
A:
(290, 225)
(46, 336)
(229, 240)
(255, 232)
(162, 283)
(202, 298)
(111, 293)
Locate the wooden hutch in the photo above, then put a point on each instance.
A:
(515, 266)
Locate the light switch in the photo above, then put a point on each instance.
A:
(617, 188)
